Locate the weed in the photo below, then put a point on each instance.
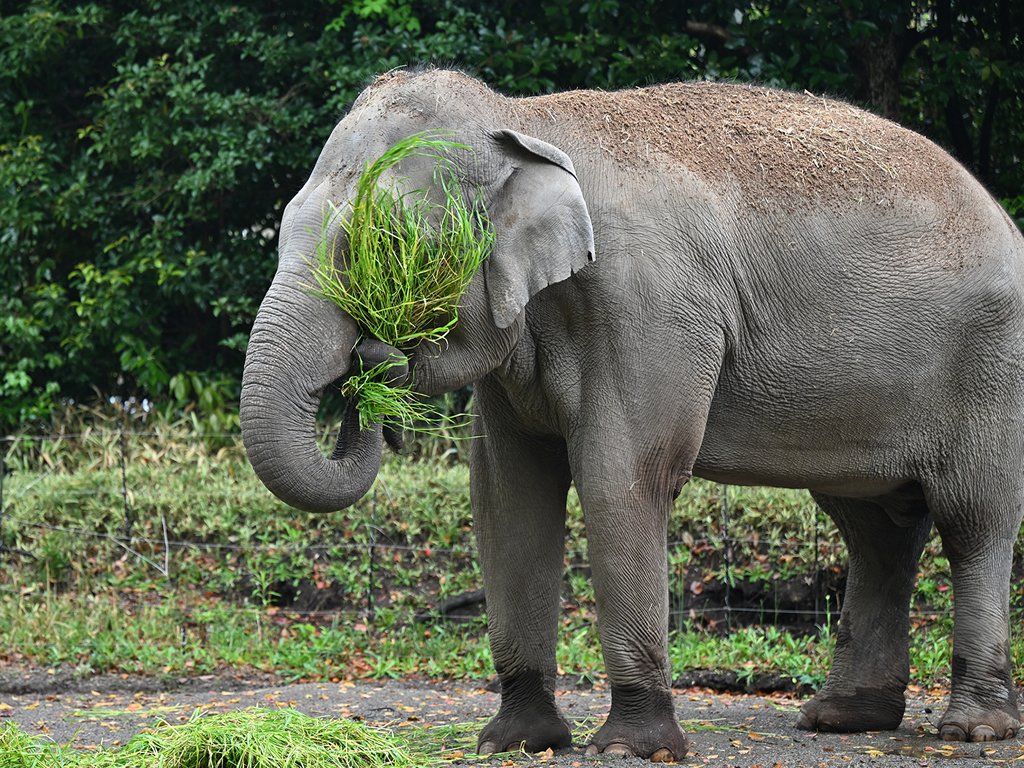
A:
(19, 750)
(446, 743)
(751, 650)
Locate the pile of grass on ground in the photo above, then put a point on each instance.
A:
(250, 738)
(19, 750)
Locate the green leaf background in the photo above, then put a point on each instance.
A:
(148, 148)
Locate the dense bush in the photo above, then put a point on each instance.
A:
(148, 149)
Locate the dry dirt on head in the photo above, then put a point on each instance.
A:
(733, 730)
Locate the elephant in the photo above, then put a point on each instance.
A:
(696, 279)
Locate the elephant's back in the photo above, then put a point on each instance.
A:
(775, 148)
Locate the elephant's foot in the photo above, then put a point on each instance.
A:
(533, 729)
(962, 723)
(867, 709)
(641, 725)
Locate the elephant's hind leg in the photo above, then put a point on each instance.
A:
(979, 521)
(871, 668)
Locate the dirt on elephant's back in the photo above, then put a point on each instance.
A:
(773, 144)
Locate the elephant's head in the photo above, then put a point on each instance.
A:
(300, 344)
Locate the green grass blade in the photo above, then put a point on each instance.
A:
(408, 263)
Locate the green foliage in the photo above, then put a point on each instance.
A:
(149, 149)
(143, 179)
(1015, 207)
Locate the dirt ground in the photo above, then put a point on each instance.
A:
(725, 729)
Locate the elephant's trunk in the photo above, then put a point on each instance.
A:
(300, 344)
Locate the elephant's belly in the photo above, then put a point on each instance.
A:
(837, 481)
(839, 454)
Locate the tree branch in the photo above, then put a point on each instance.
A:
(708, 31)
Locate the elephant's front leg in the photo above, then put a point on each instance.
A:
(626, 515)
(519, 487)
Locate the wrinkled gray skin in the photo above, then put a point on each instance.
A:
(826, 302)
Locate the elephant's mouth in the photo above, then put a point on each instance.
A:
(394, 435)
(368, 355)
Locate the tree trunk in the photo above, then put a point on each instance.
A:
(878, 65)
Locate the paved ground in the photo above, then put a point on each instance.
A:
(725, 730)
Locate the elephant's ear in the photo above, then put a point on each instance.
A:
(543, 228)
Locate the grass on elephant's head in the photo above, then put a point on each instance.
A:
(409, 260)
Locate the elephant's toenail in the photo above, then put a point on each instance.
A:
(617, 748)
(592, 750)
(983, 733)
(663, 756)
(487, 748)
(952, 733)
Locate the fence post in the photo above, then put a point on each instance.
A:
(371, 610)
(129, 515)
(3, 471)
(728, 557)
(817, 567)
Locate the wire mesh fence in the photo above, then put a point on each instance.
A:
(168, 502)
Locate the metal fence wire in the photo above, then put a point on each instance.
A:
(722, 599)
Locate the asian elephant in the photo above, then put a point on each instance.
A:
(733, 282)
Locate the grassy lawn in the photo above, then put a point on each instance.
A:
(197, 568)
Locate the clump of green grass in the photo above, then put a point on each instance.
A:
(250, 738)
(381, 403)
(409, 259)
(266, 738)
(19, 750)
